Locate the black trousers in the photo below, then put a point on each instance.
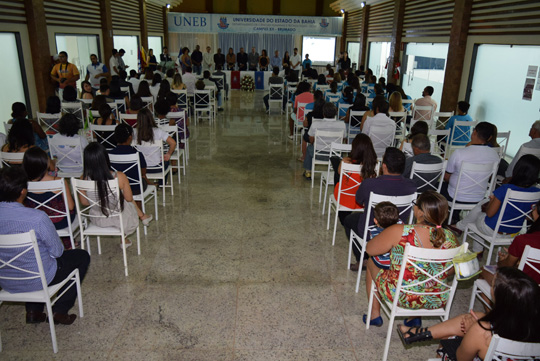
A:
(445, 194)
(67, 262)
(351, 223)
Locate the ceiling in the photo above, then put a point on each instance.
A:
(165, 2)
(350, 5)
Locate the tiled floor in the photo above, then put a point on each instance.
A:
(239, 266)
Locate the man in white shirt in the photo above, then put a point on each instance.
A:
(208, 60)
(426, 100)
(329, 123)
(95, 72)
(134, 80)
(381, 137)
(113, 63)
(477, 152)
(296, 62)
(534, 133)
(189, 79)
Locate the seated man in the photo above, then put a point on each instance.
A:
(534, 133)
(310, 73)
(329, 123)
(57, 263)
(134, 80)
(391, 183)
(275, 79)
(212, 82)
(462, 136)
(475, 152)
(426, 100)
(189, 79)
(219, 74)
(421, 149)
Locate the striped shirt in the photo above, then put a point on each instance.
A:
(16, 218)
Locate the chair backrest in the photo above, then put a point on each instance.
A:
(434, 267)
(407, 103)
(75, 108)
(49, 121)
(503, 138)
(531, 259)
(342, 110)
(404, 204)
(126, 163)
(355, 119)
(430, 175)
(129, 119)
(337, 149)
(7, 127)
(182, 100)
(439, 140)
(219, 81)
(153, 154)
(120, 105)
(300, 112)
(148, 102)
(15, 250)
(401, 119)
(475, 181)
(502, 349)
(524, 150)
(516, 209)
(323, 142)
(323, 88)
(9, 159)
(422, 112)
(125, 89)
(172, 130)
(441, 118)
(382, 137)
(349, 180)
(58, 190)
(202, 98)
(275, 91)
(461, 131)
(68, 153)
(104, 135)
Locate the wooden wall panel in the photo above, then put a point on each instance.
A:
(154, 16)
(125, 15)
(381, 17)
(505, 17)
(427, 18)
(13, 11)
(354, 24)
(60, 13)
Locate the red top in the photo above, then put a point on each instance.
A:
(517, 248)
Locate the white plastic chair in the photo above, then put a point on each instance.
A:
(149, 151)
(203, 104)
(431, 175)
(275, 96)
(129, 119)
(126, 162)
(382, 137)
(75, 108)
(441, 118)
(7, 127)
(504, 349)
(69, 156)
(415, 258)
(503, 138)
(422, 112)
(299, 123)
(347, 174)
(49, 121)
(121, 105)
(104, 135)
(125, 89)
(321, 149)
(481, 178)
(342, 110)
(58, 187)
(181, 122)
(80, 190)
(178, 155)
(461, 132)
(148, 102)
(183, 100)
(530, 258)
(404, 204)
(356, 117)
(8, 159)
(439, 139)
(336, 149)
(515, 202)
(401, 128)
(12, 248)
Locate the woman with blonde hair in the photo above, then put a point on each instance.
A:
(395, 102)
(177, 83)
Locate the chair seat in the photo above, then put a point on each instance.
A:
(340, 207)
(484, 286)
(330, 180)
(69, 175)
(64, 232)
(149, 189)
(500, 239)
(34, 296)
(408, 312)
(93, 230)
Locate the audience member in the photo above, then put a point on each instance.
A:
(534, 143)
(68, 128)
(421, 146)
(134, 80)
(462, 134)
(20, 137)
(395, 102)
(426, 100)
(253, 59)
(220, 74)
(420, 127)
(177, 83)
(302, 95)
(19, 112)
(275, 79)
(86, 90)
(380, 116)
(189, 80)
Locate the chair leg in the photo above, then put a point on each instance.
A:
(335, 226)
(370, 303)
(490, 253)
(360, 262)
(138, 242)
(350, 250)
(325, 196)
(124, 254)
(79, 294)
(473, 296)
(329, 213)
(51, 325)
(388, 335)
(155, 203)
(98, 244)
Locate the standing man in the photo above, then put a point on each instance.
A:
(219, 59)
(276, 60)
(296, 62)
(253, 59)
(57, 263)
(95, 72)
(306, 62)
(196, 60)
(165, 57)
(64, 73)
(208, 60)
(242, 60)
(113, 63)
(121, 65)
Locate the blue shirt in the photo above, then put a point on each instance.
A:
(275, 61)
(463, 135)
(307, 61)
(16, 218)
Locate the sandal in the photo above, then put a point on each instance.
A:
(419, 334)
(413, 322)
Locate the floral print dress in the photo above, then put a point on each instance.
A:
(386, 280)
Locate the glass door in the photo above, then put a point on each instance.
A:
(131, 45)
(353, 48)
(424, 64)
(79, 48)
(379, 52)
(154, 43)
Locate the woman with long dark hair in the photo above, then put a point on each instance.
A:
(144, 90)
(97, 167)
(20, 137)
(19, 112)
(286, 61)
(86, 90)
(263, 61)
(515, 315)
(68, 128)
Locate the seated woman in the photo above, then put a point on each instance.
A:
(321, 80)
(346, 98)
(38, 168)
(302, 95)
(156, 83)
(332, 92)
(515, 315)
(106, 117)
(68, 128)
(53, 107)
(20, 137)
(395, 102)
(362, 152)
(98, 101)
(18, 111)
(315, 113)
(420, 127)
(359, 105)
(485, 214)
(147, 133)
(178, 83)
(171, 99)
(97, 167)
(86, 90)
(430, 211)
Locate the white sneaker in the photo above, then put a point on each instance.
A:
(147, 221)
(291, 137)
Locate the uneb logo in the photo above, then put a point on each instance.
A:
(324, 23)
(223, 23)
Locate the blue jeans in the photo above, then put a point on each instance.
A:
(308, 160)
(197, 69)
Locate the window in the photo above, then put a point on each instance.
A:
(378, 55)
(13, 87)
(131, 45)
(424, 64)
(79, 48)
(496, 90)
(154, 43)
(353, 48)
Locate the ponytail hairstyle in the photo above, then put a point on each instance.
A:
(435, 208)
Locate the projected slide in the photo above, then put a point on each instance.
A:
(321, 49)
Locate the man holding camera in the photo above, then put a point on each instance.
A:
(65, 73)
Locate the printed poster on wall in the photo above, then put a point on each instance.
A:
(528, 89)
(262, 24)
(531, 71)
